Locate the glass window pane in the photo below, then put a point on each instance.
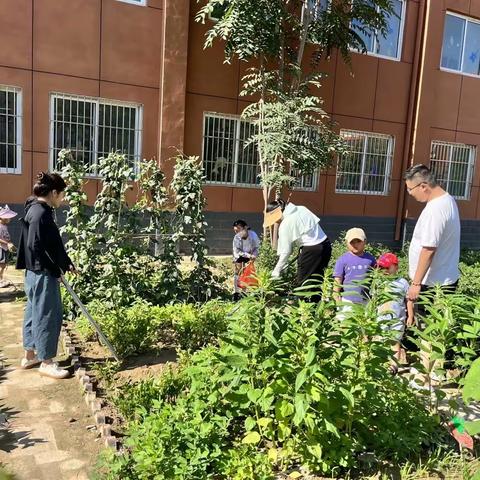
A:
(9, 119)
(452, 42)
(471, 54)
(73, 128)
(219, 148)
(366, 36)
(388, 45)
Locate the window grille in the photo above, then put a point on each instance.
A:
(367, 167)
(92, 128)
(226, 158)
(389, 46)
(453, 165)
(10, 130)
(229, 159)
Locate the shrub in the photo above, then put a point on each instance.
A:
(141, 327)
(288, 386)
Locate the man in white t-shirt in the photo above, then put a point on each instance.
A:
(434, 251)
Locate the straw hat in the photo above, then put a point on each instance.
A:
(6, 212)
(272, 217)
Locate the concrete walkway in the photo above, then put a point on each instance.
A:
(43, 422)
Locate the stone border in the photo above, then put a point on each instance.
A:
(87, 383)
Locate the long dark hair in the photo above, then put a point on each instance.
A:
(47, 182)
(275, 204)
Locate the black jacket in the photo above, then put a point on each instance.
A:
(41, 246)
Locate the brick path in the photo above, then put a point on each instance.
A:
(43, 421)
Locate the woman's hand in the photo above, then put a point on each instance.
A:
(410, 321)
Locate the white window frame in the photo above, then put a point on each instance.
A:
(19, 132)
(400, 39)
(470, 166)
(388, 166)
(140, 3)
(238, 119)
(451, 70)
(97, 102)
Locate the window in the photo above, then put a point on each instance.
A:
(453, 165)
(461, 44)
(367, 167)
(307, 181)
(226, 158)
(10, 129)
(135, 2)
(93, 128)
(389, 46)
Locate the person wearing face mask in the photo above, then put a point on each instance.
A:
(42, 254)
(245, 249)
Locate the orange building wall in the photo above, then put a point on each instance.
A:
(99, 48)
(372, 95)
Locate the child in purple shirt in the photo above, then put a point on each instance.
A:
(352, 267)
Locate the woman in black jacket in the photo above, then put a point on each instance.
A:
(42, 254)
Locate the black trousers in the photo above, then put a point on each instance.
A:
(313, 261)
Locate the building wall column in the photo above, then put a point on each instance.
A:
(173, 81)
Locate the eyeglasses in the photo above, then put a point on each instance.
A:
(409, 190)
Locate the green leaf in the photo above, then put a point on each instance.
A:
(312, 353)
(272, 454)
(300, 409)
(254, 394)
(264, 422)
(471, 388)
(252, 437)
(250, 423)
(473, 428)
(348, 396)
(301, 377)
(283, 409)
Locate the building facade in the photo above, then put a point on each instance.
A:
(132, 75)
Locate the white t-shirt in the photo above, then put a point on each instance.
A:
(438, 226)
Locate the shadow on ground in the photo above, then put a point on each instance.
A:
(9, 439)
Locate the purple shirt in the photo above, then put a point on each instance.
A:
(352, 269)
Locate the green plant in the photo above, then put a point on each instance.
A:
(292, 134)
(290, 385)
(142, 326)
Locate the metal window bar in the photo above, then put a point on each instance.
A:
(79, 123)
(453, 165)
(10, 130)
(367, 169)
(226, 158)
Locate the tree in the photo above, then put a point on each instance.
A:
(293, 134)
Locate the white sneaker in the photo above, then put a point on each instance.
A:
(26, 364)
(53, 371)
